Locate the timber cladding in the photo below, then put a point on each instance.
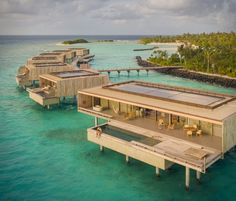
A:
(69, 87)
(229, 133)
(34, 73)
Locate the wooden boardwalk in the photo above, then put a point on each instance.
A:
(128, 70)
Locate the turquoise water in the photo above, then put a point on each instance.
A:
(44, 155)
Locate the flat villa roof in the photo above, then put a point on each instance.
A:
(173, 99)
(69, 74)
(68, 50)
(51, 53)
(172, 94)
(48, 57)
(49, 64)
(79, 48)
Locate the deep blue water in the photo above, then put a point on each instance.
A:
(44, 154)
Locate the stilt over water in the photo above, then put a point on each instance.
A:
(157, 171)
(96, 121)
(198, 175)
(101, 148)
(187, 177)
(127, 158)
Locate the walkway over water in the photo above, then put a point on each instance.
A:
(128, 70)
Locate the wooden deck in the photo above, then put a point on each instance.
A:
(205, 140)
(150, 124)
(170, 149)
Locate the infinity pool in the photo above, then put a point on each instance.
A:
(127, 135)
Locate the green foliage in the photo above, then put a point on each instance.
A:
(70, 42)
(212, 53)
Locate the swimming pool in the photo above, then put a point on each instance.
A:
(128, 135)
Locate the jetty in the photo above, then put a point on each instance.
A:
(161, 125)
(146, 49)
(128, 70)
(86, 58)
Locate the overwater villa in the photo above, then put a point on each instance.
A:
(69, 54)
(56, 85)
(60, 56)
(45, 59)
(28, 74)
(47, 62)
(80, 51)
(161, 125)
(73, 53)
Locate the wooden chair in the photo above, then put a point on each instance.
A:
(199, 133)
(194, 126)
(130, 116)
(186, 127)
(161, 123)
(171, 126)
(189, 133)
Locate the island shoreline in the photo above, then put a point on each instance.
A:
(221, 80)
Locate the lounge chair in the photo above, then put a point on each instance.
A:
(97, 108)
(116, 111)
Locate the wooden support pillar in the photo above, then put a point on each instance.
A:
(101, 148)
(187, 178)
(170, 119)
(212, 128)
(127, 159)
(157, 171)
(96, 121)
(198, 175)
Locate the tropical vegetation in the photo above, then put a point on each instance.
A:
(211, 53)
(70, 42)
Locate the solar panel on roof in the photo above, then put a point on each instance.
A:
(133, 88)
(163, 93)
(73, 74)
(169, 94)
